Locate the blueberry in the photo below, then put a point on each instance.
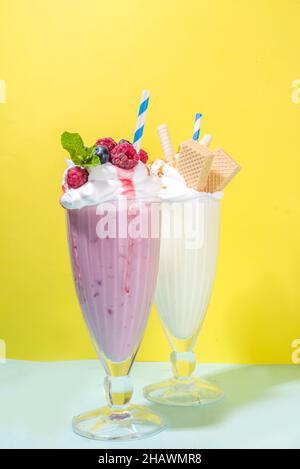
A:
(124, 141)
(103, 153)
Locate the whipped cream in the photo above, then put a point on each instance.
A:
(108, 182)
(173, 186)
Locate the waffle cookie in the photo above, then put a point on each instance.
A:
(223, 169)
(193, 163)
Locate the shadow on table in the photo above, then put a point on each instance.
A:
(241, 386)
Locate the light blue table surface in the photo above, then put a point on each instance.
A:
(261, 408)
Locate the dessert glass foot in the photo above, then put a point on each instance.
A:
(107, 424)
(183, 392)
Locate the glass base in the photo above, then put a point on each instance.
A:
(107, 424)
(183, 392)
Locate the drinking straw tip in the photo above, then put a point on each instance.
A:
(141, 120)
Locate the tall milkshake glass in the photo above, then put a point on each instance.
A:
(113, 224)
(113, 220)
(189, 248)
(115, 275)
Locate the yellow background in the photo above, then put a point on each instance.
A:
(81, 66)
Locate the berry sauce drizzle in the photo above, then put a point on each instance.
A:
(126, 181)
(64, 188)
(125, 177)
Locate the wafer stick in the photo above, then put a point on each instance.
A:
(206, 140)
(165, 141)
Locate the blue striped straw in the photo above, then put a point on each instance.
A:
(196, 133)
(141, 120)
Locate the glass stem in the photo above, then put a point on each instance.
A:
(183, 364)
(118, 391)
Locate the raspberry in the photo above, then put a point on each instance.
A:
(76, 177)
(124, 156)
(143, 156)
(107, 142)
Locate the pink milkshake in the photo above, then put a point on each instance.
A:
(113, 221)
(115, 280)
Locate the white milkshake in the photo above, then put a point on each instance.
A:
(187, 264)
(188, 259)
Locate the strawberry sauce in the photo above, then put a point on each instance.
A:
(125, 177)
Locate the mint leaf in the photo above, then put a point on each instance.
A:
(77, 159)
(90, 152)
(91, 159)
(73, 143)
(96, 160)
